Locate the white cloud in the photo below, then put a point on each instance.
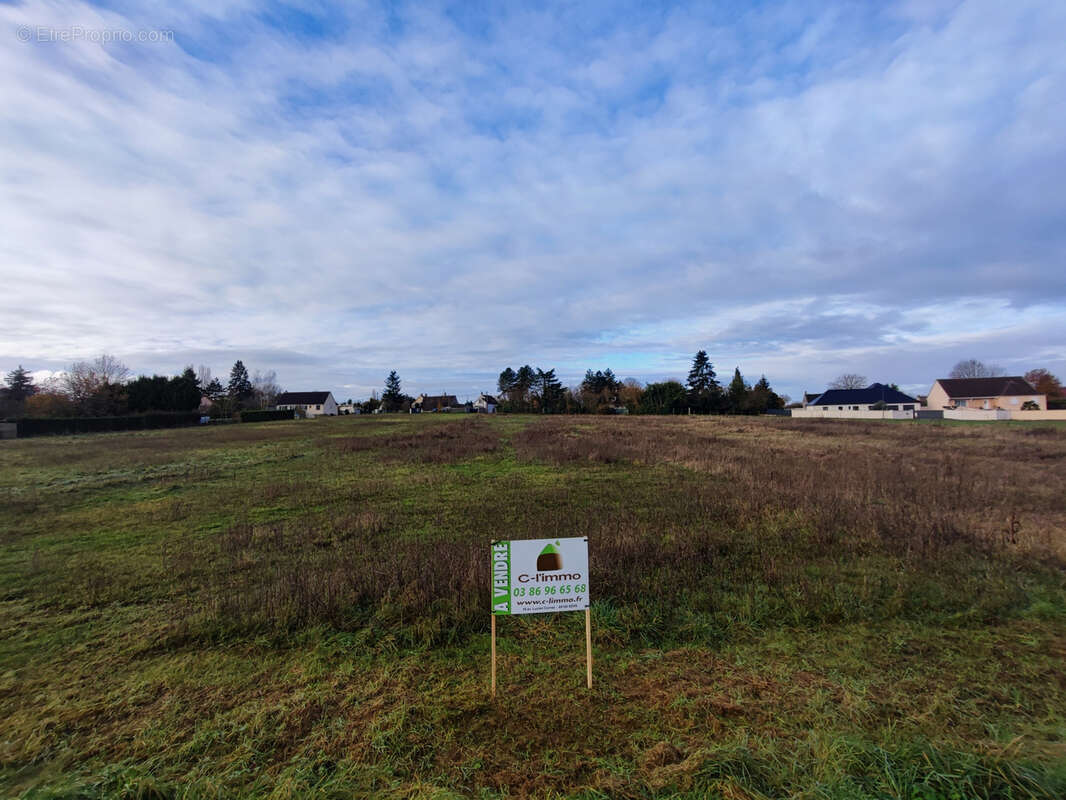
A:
(447, 198)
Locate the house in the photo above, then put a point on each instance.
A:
(988, 394)
(308, 404)
(809, 398)
(485, 404)
(876, 401)
(426, 403)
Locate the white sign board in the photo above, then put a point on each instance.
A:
(540, 576)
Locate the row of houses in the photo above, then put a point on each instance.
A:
(448, 403)
(323, 404)
(960, 398)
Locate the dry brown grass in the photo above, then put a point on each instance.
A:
(440, 444)
(761, 520)
(917, 488)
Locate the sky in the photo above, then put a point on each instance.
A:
(445, 190)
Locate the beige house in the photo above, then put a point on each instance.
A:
(985, 394)
(308, 404)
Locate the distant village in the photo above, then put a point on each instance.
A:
(100, 396)
(974, 391)
(1007, 397)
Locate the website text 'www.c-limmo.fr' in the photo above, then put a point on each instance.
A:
(574, 601)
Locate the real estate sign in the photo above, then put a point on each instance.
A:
(540, 576)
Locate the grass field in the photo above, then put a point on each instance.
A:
(782, 608)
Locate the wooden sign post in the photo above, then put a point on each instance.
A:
(541, 576)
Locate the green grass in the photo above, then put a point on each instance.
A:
(823, 610)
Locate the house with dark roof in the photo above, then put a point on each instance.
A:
(485, 404)
(1008, 393)
(308, 404)
(876, 401)
(425, 403)
(875, 397)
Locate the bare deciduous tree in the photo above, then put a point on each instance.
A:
(849, 380)
(265, 388)
(972, 368)
(84, 380)
(110, 369)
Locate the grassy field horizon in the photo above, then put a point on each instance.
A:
(781, 608)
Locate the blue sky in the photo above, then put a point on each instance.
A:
(334, 191)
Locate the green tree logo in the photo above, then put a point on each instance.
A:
(550, 558)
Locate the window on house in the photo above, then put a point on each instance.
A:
(1014, 401)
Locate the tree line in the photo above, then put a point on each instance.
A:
(103, 388)
(532, 389)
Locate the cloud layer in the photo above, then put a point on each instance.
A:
(448, 190)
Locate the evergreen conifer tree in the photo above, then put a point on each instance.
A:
(19, 388)
(20, 384)
(703, 388)
(551, 390)
(214, 389)
(524, 381)
(392, 397)
(240, 385)
(505, 383)
(738, 393)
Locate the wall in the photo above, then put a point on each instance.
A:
(975, 414)
(1035, 416)
(816, 412)
(9, 430)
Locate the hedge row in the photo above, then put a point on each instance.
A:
(266, 416)
(43, 426)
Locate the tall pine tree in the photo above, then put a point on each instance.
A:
(19, 387)
(738, 393)
(550, 389)
(392, 398)
(20, 384)
(505, 383)
(240, 385)
(703, 388)
(525, 378)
